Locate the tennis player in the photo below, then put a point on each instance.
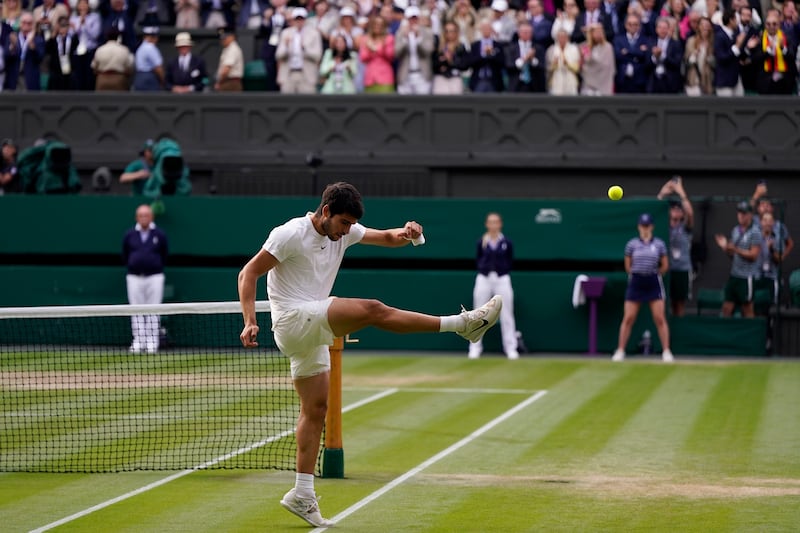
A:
(301, 259)
(645, 262)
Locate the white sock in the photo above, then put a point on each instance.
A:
(304, 485)
(452, 323)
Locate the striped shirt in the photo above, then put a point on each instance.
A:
(645, 256)
(744, 239)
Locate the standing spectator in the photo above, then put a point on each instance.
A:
(771, 256)
(790, 22)
(298, 55)
(251, 14)
(187, 14)
(61, 50)
(503, 24)
(449, 60)
(525, 62)
(744, 246)
(566, 20)
(47, 16)
(86, 25)
(540, 24)
(773, 58)
(11, 14)
(727, 49)
(9, 177)
(120, 19)
(598, 66)
(187, 72)
(466, 18)
(324, 20)
(112, 64)
(763, 206)
(631, 51)
(413, 50)
(563, 66)
(679, 11)
(153, 12)
(139, 170)
(377, 54)
(699, 60)
(348, 28)
(486, 60)
(615, 14)
(26, 75)
(494, 258)
(231, 63)
(144, 250)
(645, 262)
(591, 15)
(681, 222)
(339, 67)
(217, 14)
(149, 63)
(275, 19)
(666, 60)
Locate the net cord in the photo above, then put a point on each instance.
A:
(62, 311)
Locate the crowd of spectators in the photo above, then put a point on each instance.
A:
(592, 47)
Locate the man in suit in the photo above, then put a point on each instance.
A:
(542, 26)
(61, 50)
(591, 15)
(614, 11)
(486, 60)
(251, 14)
(773, 58)
(525, 62)
(25, 74)
(666, 59)
(632, 52)
(299, 54)
(187, 72)
(120, 20)
(274, 21)
(727, 50)
(413, 50)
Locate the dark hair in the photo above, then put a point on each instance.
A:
(727, 16)
(342, 198)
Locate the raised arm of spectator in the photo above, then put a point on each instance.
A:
(688, 211)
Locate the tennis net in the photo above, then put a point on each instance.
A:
(77, 396)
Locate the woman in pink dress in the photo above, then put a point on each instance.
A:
(377, 54)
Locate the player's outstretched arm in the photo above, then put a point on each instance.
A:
(260, 264)
(393, 238)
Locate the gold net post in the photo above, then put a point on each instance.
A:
(333, 456)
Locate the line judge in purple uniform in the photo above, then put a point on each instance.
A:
(646, 260)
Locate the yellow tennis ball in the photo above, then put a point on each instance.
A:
(615, 192)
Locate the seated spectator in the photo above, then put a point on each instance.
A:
(744, 247)
(149, 74)
(598, 66)
(503, 23)
(119, 18)
(565, 20)
(113, 64)
(299, 54)
(678, 10)
(413, 49)
(486, 61)
(377, 54)
(540, 24)
(86, 25)
(187, 72)
(11, 13)
(139, 170)
(187, 14)
(466, 18)
(231, 62)
(666, 61)
(525, 62)
(727, 49)
(632, 53)
(591, 15)
(25, 74)
(449, 60)
(61, 49)
(216, 14)
(773, 58)
(9, 178)
(275, 19)
(47, 16)
(563, 66)
(339, 67)
(699, 60)
(251, 14)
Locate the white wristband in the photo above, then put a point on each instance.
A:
(419, 241)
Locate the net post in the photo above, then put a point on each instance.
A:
(333, 456)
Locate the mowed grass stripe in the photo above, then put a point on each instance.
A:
(650, 440)
(722, 437)
(779, 427)
(585, 432)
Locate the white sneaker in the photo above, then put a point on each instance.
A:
(481, 319)
(667, 357)
(619, 355)
(305, 508)
(513, 355)
(474, 351)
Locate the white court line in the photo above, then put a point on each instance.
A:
(425, 464)
(462, 390)
(188, 471)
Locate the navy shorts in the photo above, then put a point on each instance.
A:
(644, 288)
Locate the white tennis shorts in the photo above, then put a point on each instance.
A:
(304, 335)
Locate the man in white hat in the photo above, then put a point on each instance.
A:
(299, 53)
(413, 50)
(504, 24)
(187, 72)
